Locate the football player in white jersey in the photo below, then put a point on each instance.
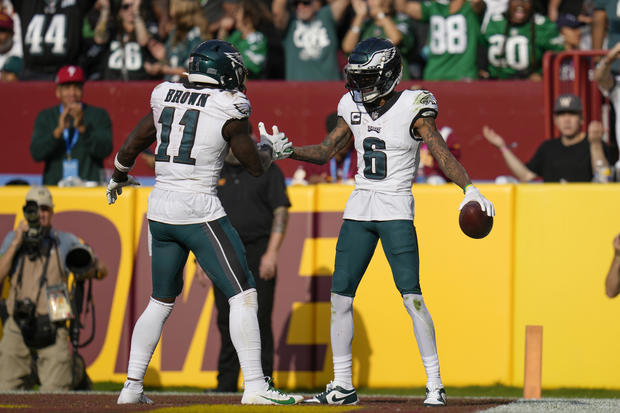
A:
(194, 123)
(388, 128)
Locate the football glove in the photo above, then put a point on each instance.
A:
(473, 194)
(281, 147)
(116, 188)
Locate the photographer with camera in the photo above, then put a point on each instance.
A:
(39, 305)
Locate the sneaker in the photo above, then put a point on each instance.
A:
(435, 396)
(271, 396)
(335, 395)
(131, 397)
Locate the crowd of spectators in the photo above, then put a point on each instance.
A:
(301, 40)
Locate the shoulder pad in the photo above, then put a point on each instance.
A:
(235, 104)
(424, 103)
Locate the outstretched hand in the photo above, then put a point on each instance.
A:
(493, 137)
(116, 188)
(281, 147)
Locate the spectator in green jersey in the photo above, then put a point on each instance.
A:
(310, 38)
(454, 31)
(516, 42)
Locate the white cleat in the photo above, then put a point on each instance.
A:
(131, 397)
(271, 396)
(334, 394)
(435, 396)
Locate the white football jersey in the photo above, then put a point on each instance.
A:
(388, 154)
(190, 150)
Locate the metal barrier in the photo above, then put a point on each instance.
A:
(571, 71)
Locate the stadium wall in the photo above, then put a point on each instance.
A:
(544, 263)
(513, 108)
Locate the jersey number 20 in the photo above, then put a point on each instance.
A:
(189, 121)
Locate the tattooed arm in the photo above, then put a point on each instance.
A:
(269, 260)
(426, 128)
(337, 139)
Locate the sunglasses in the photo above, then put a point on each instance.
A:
(126, 6)
(304, 2)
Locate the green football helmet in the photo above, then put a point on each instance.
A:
(217, 62)
(373, 70)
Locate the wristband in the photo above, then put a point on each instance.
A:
(380, 16)
(355, 29)
(466, 186)
(120, 166)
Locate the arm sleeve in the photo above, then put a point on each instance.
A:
(7, 242)
(43, 145)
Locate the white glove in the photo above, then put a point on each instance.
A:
(116, 188)
(281, 147)
(473, 194)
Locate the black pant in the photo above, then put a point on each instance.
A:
(228, 363)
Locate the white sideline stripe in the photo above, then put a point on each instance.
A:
(558, 405)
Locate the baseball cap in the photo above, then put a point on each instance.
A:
(6, 22)
(70, 74)
(567, 103)
(13, 65)
(41, 195)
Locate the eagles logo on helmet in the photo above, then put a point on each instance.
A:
(217, 62)
(373, 70)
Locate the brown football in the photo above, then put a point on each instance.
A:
(474, 222)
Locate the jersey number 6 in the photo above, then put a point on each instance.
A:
(375, 162)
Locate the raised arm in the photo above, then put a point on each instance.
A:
(515, 165)
(427, 129)
(338, 8)
(599, 28)
(602, 73)
(280, 14)
(337, 139)
(414, 10)
(255, 159)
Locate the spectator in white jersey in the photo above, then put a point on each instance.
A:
(388, 128)
(197, 121)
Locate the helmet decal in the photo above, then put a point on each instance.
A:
(218, 63)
